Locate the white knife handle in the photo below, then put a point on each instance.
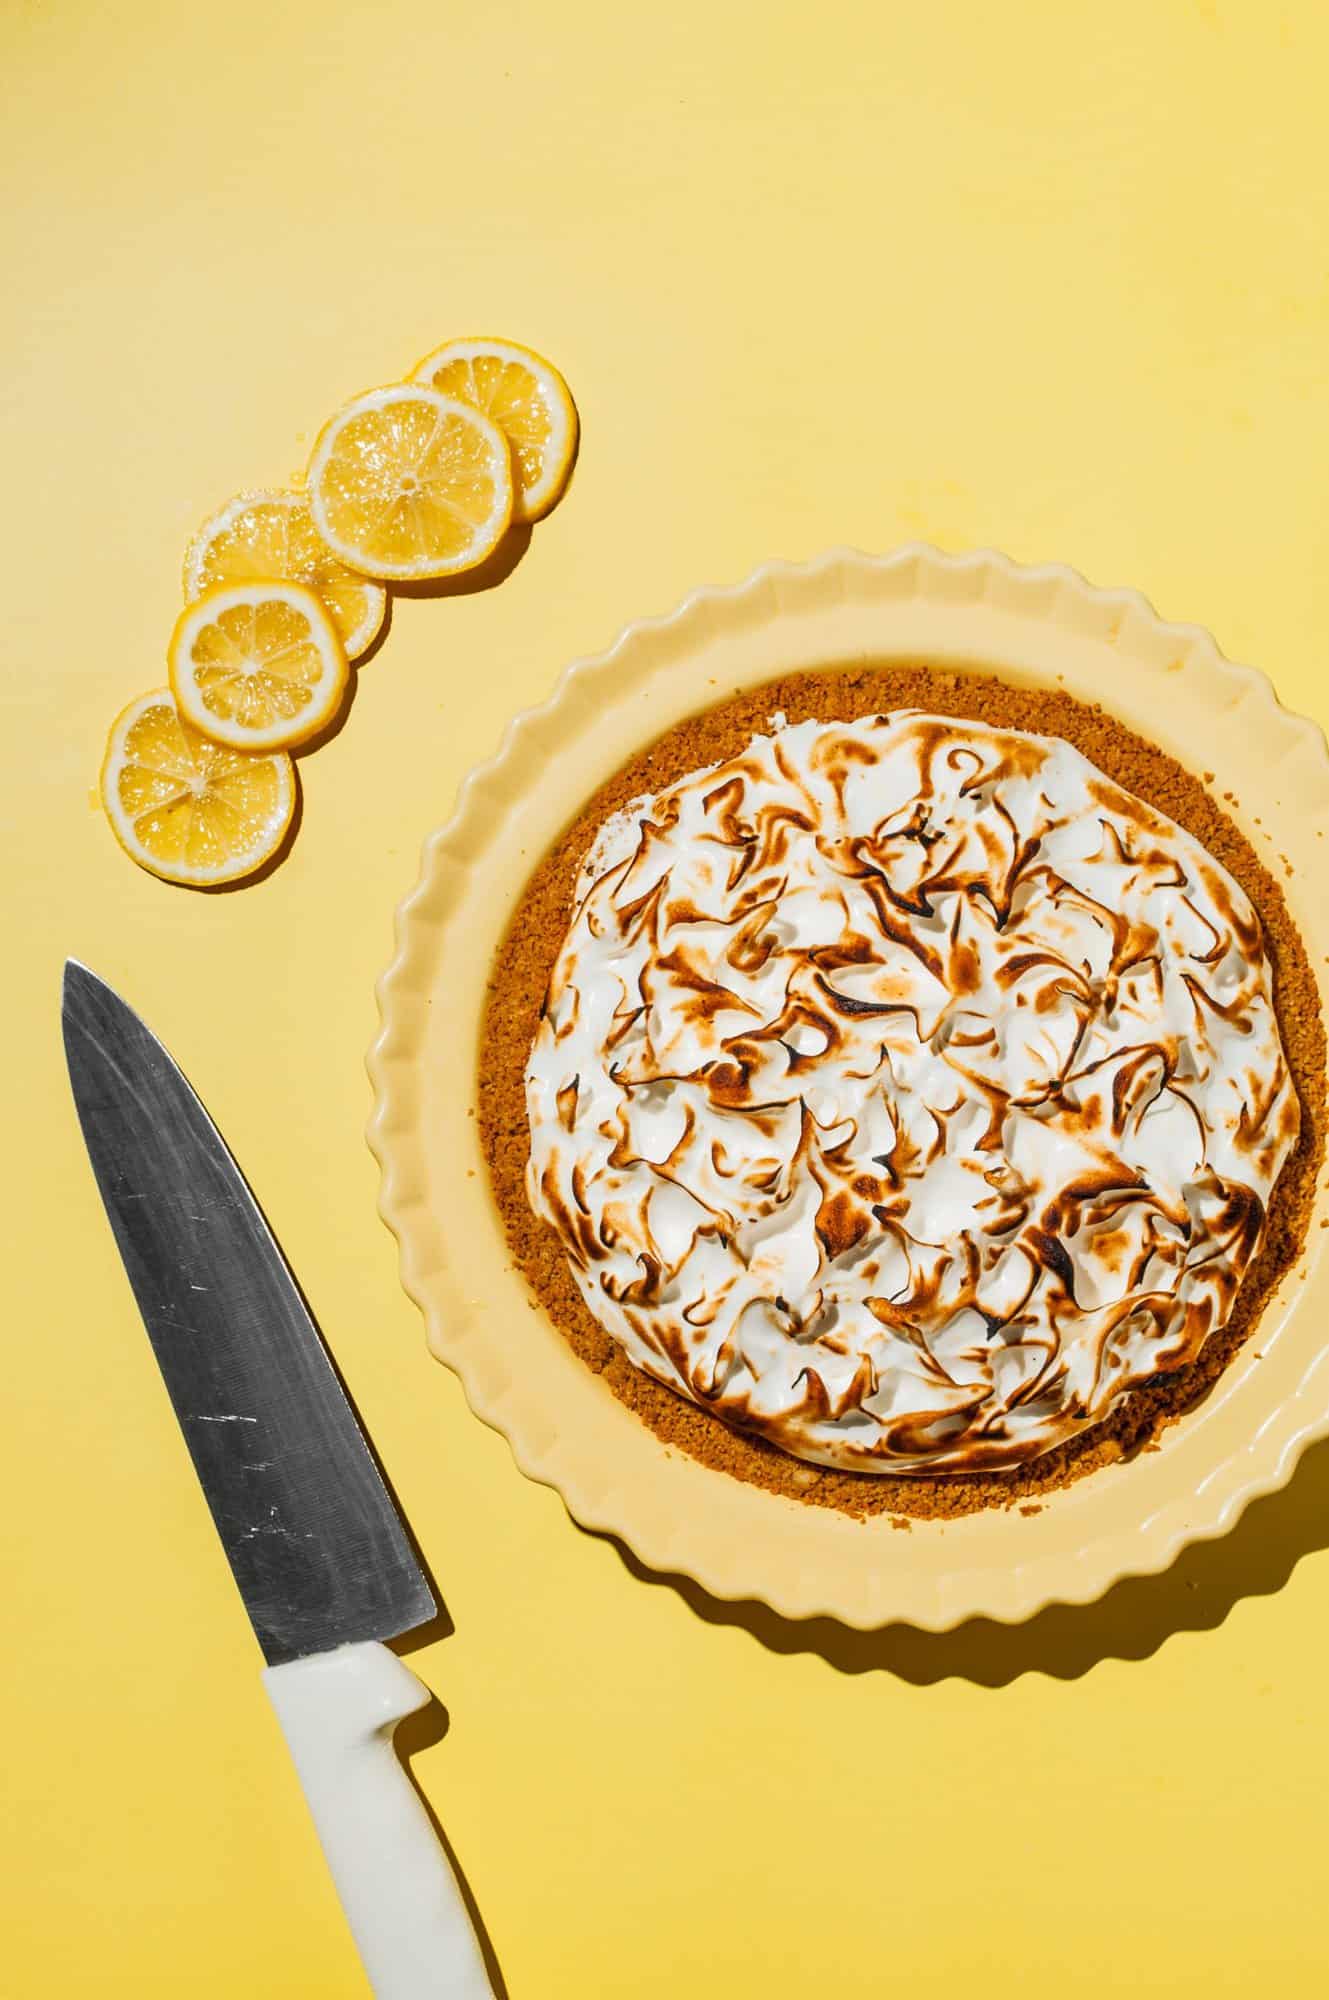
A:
(338, 1712)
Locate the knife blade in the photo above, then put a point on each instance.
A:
(314, 1540)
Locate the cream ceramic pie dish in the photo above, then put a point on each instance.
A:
(1040, 626)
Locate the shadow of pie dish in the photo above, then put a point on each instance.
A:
(854, 1062)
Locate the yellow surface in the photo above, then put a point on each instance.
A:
(1046, 276)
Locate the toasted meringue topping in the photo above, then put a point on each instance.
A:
(907, 1091)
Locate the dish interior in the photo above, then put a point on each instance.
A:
(520, 978)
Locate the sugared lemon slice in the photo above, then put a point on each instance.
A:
(187, 809)
(406, 483)
(257, 666)
(529, 401)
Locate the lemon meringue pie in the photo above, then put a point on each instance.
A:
(907, 1091)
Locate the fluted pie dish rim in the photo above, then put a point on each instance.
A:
(1044, 625)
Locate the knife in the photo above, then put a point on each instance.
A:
(312, 1536)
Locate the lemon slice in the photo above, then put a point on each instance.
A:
(259, 535)
(187, 809)
(529, 401)
(406, 483)
(257, 666)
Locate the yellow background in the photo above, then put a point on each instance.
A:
(1041, 275)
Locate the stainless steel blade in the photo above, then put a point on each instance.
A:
(312, 1535)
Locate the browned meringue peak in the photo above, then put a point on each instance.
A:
(907, 1091)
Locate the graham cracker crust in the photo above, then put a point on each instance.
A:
(516, 992)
